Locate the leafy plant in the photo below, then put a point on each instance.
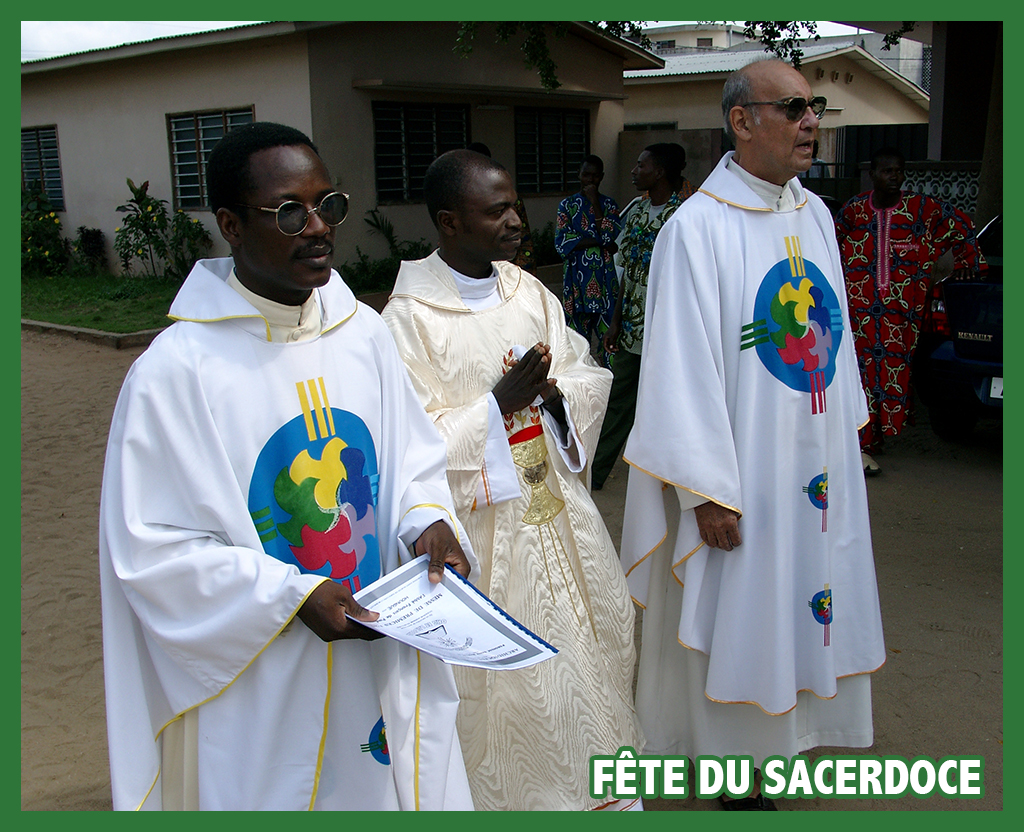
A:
(368, 275)
(142, 234)
(544, 246)
(88, 252)
(189, 241)
(149, 236)
(43, 248)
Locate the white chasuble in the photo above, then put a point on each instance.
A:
(240, 474)
(749, 397)
(545, 556)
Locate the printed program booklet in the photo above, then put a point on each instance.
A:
(451, 620)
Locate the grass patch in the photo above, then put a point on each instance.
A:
(110, 303)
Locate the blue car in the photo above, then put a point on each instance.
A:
(958, 372)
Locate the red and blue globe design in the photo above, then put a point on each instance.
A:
(314, 500)
(376, 744)
(797, 327)
(817, 491)
(821, 607)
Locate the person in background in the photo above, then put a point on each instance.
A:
(889, 241)
(658, 175)
(585, 232)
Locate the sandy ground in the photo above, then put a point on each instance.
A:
(936, 519)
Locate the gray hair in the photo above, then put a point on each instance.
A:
(737, 90)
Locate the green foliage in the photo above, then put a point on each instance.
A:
(535, 48)
(142, 235)
(43, 248)
(366, 275)
(896, 35)
(189, 241)
(88, 252)
(544, 246)
(159, 243)
(783, 38)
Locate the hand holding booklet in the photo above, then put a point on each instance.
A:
(451, 620)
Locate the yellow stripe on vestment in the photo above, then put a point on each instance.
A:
(323, 736)
(306, 412)
(797, 268)
(327, 405)
(416, 750)
(318, 408)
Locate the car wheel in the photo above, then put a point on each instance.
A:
(952, 420)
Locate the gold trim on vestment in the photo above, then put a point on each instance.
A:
(323, 734)
(757, 705)
(677, 485)
(229, 684)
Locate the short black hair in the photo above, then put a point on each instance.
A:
(596, 161)
(887, 153)
(670, 157)
(227, 172)
(444, 183)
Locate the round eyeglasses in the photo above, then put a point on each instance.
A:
(795, 107)
(293, 217)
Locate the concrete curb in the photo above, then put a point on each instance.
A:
(117, 340)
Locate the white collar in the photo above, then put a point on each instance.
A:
(780, 198)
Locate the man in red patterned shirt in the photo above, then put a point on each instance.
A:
(889, 241)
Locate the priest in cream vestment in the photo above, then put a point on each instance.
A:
(518, 472)
(746, 535)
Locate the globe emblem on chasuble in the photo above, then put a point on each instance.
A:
(797, 326)
(313, 494)
(377, 744)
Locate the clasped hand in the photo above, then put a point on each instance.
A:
(525, 380)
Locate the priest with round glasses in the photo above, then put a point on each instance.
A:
(746, 534)
(268, 457)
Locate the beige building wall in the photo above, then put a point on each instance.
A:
(692, 102)
(695, 102)
(111, 117)
(866, 99)
(111, 113)
(686, 36)
(855, 97)
(492, 82)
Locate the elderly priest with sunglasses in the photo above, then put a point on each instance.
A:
(268, 457)
(746, 510)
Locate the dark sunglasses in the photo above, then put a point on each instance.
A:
(795, 107)
(293, 217)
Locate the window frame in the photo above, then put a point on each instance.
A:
(203, 145)
(531, 172)
(407, 137)
(58, 201)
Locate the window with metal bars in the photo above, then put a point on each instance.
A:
(40, 163)
(407, 138)
(192, 137)
(550, 147)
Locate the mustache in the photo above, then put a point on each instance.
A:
(318, 249)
